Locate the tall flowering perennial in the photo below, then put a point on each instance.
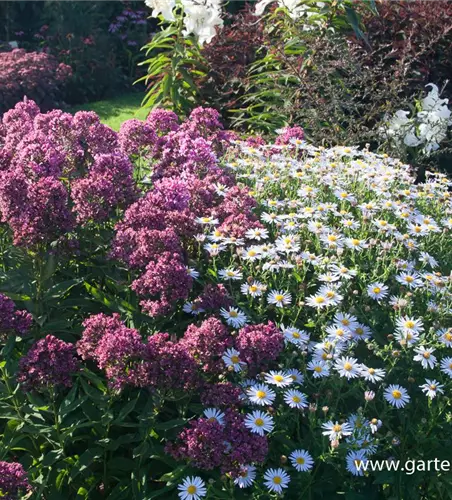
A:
(201, 17)
(13, 481)
(57, 171)
(12, 321)
(189, 187)
(49, 364)
(428, 127)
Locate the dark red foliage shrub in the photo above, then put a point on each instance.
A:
(228, 56)
(36, 75)
(413, 39)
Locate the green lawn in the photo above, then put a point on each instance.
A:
(114, 111)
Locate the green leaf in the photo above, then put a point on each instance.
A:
(52, 457)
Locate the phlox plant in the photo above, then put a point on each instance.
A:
(226, 319)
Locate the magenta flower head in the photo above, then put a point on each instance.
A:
(169, 365)
(96, 327)
(207, 343)
(259, 345)
(136, 138)
(11, 320)
(120, 353)
(229, 445)
(13, 481)
(163, 121)
(109, 186)
(48, 364)
(221, 394)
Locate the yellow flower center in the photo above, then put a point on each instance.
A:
(319, 300)
(233, 314)
(278, 378)
(409, 279)
(279, 298)
(300, 460)
(426, 355)
(396, 394)
(296, 335)
(277, 480)
(296, 399)
(433, 387)
(235, 359)
(348, 366)
(261, 394)
(253, 288)
(337, 428)
(191, 490)
(409, 324)
(377, 289)
(318, 369)
(371, 371)
(259, 422)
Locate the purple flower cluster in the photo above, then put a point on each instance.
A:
(128, 361)
(56, 170)
(11, 320)
(169, 364)
(258, 345)
(229, 445)
(13, 481)
(34, 74)
(207, 343)
(49, 363)
(221, 394)
(157, 230)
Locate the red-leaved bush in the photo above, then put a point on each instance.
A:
(413, 40)
(36, 75)
(228, 56)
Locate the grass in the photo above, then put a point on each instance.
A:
(114, 111)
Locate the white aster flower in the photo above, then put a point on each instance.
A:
(377, 291)
(425, 357)
(280, 379)
(432, 388)
(234, 317)
(295, 375)
(192, 488)
(355, 461)
(301, 460)
(214, 415)
(446, 366)
(372, 374)
(253, 289)
(259, 422)
(295, 399)
(336, 431)
(230, 274)
(246, 476)
(231, 358)
(396, 395)
(319, 368)
(276, 480)
(261, 394)
(279, 298)
(347, 367)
